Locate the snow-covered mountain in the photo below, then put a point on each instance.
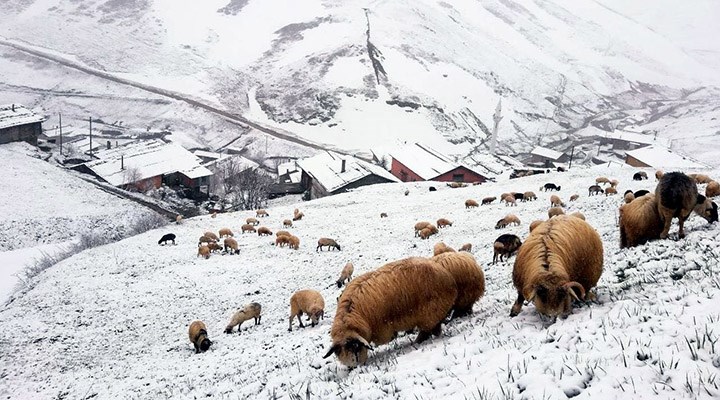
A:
(112, 321)
(303, 68)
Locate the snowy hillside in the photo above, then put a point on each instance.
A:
(112, 321)
(303, 69)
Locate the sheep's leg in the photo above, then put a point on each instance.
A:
(666, 228)
(422, 336)
(437, 330)
(290, 325)
(515, 310)
(681, 223)
(197, 348)
(300, 320)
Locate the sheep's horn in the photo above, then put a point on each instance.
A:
(364, 342)
(334, 349)
(571, 285)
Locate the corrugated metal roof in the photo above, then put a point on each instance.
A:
(15, 115)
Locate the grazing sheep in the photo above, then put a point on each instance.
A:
(425, 233)
(706, 209)
(306, 301)
(420, 226)
(443, 222)
(535, 224)
(204, 239)
(556, 202)
(264, 231)
(214, 247)
(456, 185)
(640, 221)
(700, 178)
(327, 242)
(247, 228)
(383, 215)
(601, 180)
(204, 251)
(346, 274)
(574, 197)
(441, 247)
(261, 213)
(555, 211)
(658, 174)
(594, 189)
(486, 200)
(231, 246)
(167, 237)
(578, 214)
(225, 232)
(298, 216)
(178, 219)
(212, 236)
(505, 245)
(560, 256)
(638, 176)
(610, 190)
(529, 196)
(470, 203)
(509, 200)
(282, 240)
(466, 247)
(287, 223)
(504, 195)
(293, 242)
(198, 336)
(397, 297)
(550, 186)
(282, 233)
(519, 196)
(712, 189)
(252, 221)
(629, 197)
(641, 193)
(509, 219)
(407, 192)
(614, 183)
(251, 310)
(432, 189)
(677, 196)
(469, 280)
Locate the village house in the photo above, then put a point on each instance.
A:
(418, 162)
(332, 173)
(17, 123)
(547, 158)
(623, 139)
(660, 158)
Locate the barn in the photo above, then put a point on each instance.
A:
(17, 123)
(419, 162)
(660, 158)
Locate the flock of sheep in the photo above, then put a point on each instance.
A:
(559, 263)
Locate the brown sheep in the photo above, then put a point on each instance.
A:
(261, 213)
(658, 174)
(383, 215)
(509, 219)
(178, 219)
(204, 239)
(282, 233)
(629, 197)
(556, 202)
(529, 196)
(574, 197)
(225, 232)
(287, 223)
(293, 242)
(601, 180)
(327, 242)
(640, 221)
(505, 245)
(469, 280)
(264, 231)
(231, 246)
(677, 196)
(610, 190)
(614, 183)
(712, 189)
(560, 256)
(306, 301)
(251, 310)
(486, 200)
(443, 222)
(204, 251)
(578, 214)
(441, 247)
(470, 203)
(214, 247)
(345, 274)
(252, 221)
(282, 241)
(247, 228)
(298, 216)
(198, 336)
(555, 211)
(397, 297)
(466, 247)
(509, 200)
(211, 236)
(700, 178)
(420, 226)
(535, 224)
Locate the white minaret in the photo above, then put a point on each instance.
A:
(496, 118)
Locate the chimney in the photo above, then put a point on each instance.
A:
(13, 107)
(122, 162)
(342, 166)
(108, 144)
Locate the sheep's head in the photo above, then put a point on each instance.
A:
(706, 209)
(351, 353)
(337, 246)
(514, 245)
(500, 224)
(315, 316)
(205, 344)
(554, 300)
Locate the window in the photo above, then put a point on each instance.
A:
(458, 177)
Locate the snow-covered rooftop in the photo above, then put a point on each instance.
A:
(547, 153)
(326, 169)
(151, 158)
(624, 135)
(658, 157)
(15, 115)
(291, 169)
(209, 154)
(423, 160)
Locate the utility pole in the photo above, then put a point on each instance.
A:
(90, 137)
(60, 115)
(572, 151)
(496, 119)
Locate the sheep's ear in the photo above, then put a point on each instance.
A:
(334, 349)
(700, 199)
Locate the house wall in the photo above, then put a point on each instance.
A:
(630, 160)
(368, 180)
(145, 184)
(468, 176)
(27, 132)
(402, 172)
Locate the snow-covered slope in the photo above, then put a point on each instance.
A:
(304, 66)
(112, 321)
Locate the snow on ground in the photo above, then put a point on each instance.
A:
(15, 261)
(112, 321)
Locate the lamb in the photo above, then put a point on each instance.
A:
(306, 301)
(578, 214)
(204, 251)
(261, 213)
(556, 202)
(212, 236)
(509, 219)
(167, 237)
(397, 297)
(251, 310)
(466, 247)
(264, 231)
(231, 246)
(198, 336)
(443, 222)
(252, 221)
(441, 247)
(470, 203)
(640, 221)
(550, 186)
(383, 215)
(601, 180)
(486, 200)
(594, 189)
(509, 200)
(293, 242)
(555, 211)
(712, 189)
(505, 245)
(225, 232)
(574, 197)
(638, 176)
(287, 223)
(327, 242)
(469, 280)
(610, 190)
(658, 174)
(529, 196)
(677, 196)
(561, 256)
(535, 224)
(629, 197)
(247, 228)
(345, 275)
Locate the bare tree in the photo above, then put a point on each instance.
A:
(239, 187)
(131, 176)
